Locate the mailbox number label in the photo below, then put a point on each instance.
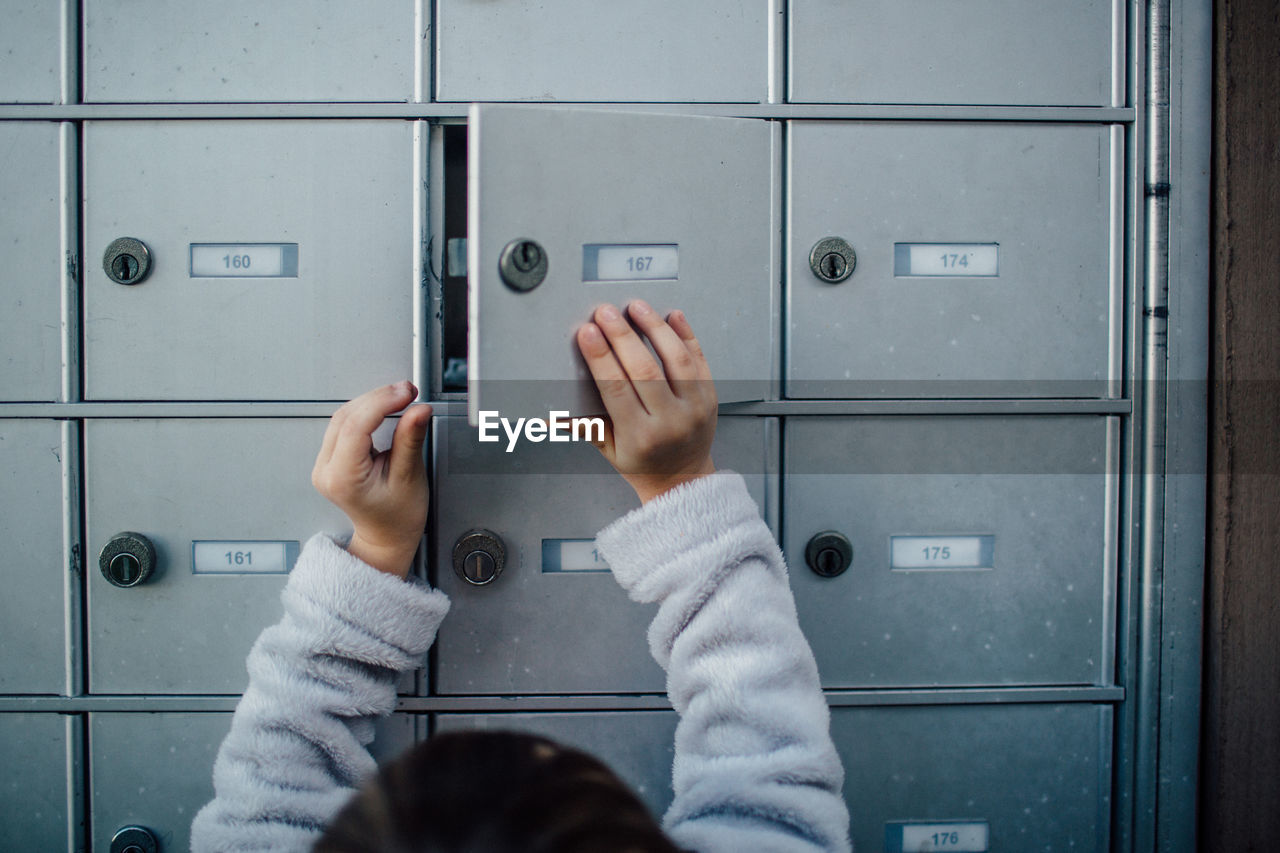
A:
(210, 557)
(958, 837)
(572, 555)
(942, 553)
(968, 260)
(608, 262)
(244, 260)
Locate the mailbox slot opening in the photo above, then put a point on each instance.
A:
(454, 318)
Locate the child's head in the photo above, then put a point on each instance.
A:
(494, 792)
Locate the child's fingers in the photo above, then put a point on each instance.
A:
(616, 391)
(355, 434)
(406, 444)
(680, 325)
(601, 440)
(677, 361)
(634, 357)
(331, 436)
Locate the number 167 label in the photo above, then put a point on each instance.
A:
(958, 837)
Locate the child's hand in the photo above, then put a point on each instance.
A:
(384, 494)
(661, 418)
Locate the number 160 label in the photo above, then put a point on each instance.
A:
(244, 260)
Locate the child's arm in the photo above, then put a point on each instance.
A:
(320, 678)
(755, 767)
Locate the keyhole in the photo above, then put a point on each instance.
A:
(829, 560)
(479, 567)
(125, 267)
(833, 265)
(527, 256)
(125, 568)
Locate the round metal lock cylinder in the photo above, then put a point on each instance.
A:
(127, 560)
(523, 264)
(479, 557)
(832, 259)
(134, 839)
(829, 554)
(126, 260)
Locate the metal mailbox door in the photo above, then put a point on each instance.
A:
(34, 610)
(673, 209)
(580, 50)
(637, 745)
(37, 255)
(983, 548)
(36, 792)
(32, 53)
(242, 50)
(979, 777)
(226, 505)
(988, 260)
(1027, 53)
(156, 770)
(283, 258)
(554, 620)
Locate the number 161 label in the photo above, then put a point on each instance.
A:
(209, 557)
(970, 836)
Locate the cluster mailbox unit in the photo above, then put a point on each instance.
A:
(949, 265)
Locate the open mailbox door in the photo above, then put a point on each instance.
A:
(571, 208)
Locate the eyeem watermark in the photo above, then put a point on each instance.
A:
(558, 427)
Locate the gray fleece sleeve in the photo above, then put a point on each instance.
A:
(318, 680)
(755, 767)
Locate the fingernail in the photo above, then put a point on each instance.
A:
(403, 385)
(639, 307)
(608, 312)
(591, 333)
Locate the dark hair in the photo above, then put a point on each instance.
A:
(494, 792)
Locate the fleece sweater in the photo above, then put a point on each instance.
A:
(755, 768)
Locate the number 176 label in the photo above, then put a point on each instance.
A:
(959, 837)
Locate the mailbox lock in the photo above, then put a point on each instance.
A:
(832, 259)
(523, 264)
(126, 261)
(128, 559)
(829, 553)
(134, 839)
(479, 557)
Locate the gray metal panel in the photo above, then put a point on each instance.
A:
(32, 262)
(1039, 775)
(156, 770)
(987, 52)
(343, 191)
(1043, 615)
(1186, 444)
(567, 178)
(1044, 327)
(581, 50)
(242, 50)
(31, 57)
(36, 809)
(33, 628)
(637, 745)
(531, 631)
(177, 481)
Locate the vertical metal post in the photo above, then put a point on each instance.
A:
(1152, 394)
